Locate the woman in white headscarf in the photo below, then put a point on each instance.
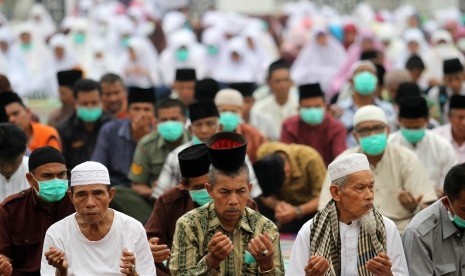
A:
(140, 67)
(319, 60)
(41, 78)
(43, 23)
(442, 48)
(99, 62)
(183, 51)
(63, 57)
(11, 61)
(414, 44)
(237, 63)
(214, 39)
(261, 45)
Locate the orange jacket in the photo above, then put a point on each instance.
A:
(44, 135)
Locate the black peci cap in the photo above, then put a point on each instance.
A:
(227, 150)
(194, 161)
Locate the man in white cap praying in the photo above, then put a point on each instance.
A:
(403, 186)
(95, 240)
(349, 236)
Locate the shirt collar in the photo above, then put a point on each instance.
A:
(448, 227)
(125, 130)
(214, 221)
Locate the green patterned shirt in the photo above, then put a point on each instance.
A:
(194, 231)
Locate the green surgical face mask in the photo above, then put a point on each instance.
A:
(365, 83)
(460, 222)
(125, 42)
(312, 115)
(79, 38)
(201, 197)
(182, 54)
(195, 140)
(26, 47)
(413, 136)
(374, 144)
(89, 114)
(170, 130)
(212, 50)
(229, 121)
(52, 190)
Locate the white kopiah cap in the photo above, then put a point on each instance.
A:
(348, 164)
(88, 173)
(229, 96)
(369, 113)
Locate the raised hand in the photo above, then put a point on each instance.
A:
(160, 252)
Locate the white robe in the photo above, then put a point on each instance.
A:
(349, 249)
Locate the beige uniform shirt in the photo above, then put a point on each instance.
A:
(399, 169)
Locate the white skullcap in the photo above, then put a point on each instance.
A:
(369, 113)
(360, 63)
(348, 164)
(88, 173)
(229, 97)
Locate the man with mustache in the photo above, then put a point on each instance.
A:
(349, 236)
(224, 237)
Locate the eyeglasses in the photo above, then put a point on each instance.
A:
(366, 131)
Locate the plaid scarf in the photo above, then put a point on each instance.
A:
(325, 240)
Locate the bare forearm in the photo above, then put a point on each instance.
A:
(310, 206)
(270, 201)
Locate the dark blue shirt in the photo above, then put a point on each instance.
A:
(115, 149)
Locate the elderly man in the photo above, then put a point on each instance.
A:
(26, 216)
(13, 162)
(433, 240)
(436, 153)
(230, 103)
(204, 123)
(95, 240)
(194, 163)
(349, 236)
(364, 83)
(206, 237)
(402, 183)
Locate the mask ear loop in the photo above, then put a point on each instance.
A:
(37, 192)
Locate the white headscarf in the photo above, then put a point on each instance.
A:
(412, 35)
(40, 77)
(146, 58)
(213, 37)
(46, 26)
(317, 63)
(196, 57)
(440, 52)
(68, 61)
(244, 70)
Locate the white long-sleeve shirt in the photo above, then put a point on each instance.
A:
(349, 249)
(435, 153)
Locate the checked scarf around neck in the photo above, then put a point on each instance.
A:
(325, 240)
